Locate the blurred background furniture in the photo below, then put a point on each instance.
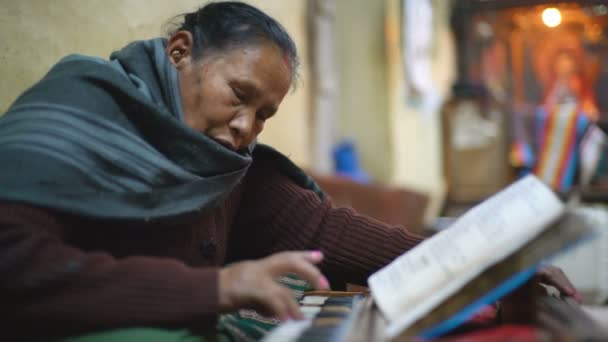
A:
(388, 204)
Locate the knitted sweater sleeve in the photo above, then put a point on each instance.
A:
(62, 290)
(277, 215)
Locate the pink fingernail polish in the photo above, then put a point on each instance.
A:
(317, 255)
(323, 283)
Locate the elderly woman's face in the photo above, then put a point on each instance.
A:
(228, 96)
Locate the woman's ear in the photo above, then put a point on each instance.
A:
(179, 49)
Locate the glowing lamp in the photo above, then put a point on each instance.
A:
(552, 17)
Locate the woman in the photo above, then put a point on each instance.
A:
(133, 193)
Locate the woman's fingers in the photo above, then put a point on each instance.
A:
(301, 264)
(292, 307)
(252, 284)
(556, 277)
(276, 301)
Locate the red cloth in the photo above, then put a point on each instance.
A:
(64, 274)
(503, 333)
(487, 314)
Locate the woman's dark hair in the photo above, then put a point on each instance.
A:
(219, 26)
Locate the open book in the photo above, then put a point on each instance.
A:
(489, 251)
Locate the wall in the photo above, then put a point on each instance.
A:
(416, 136)
(363, 113)
(35, 34)
(398, 144)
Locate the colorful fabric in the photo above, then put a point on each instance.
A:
(558, 134)
(503, 333)
(522, 157)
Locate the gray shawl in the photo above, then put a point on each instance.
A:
(105, 139)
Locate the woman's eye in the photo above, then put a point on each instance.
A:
(239, 95)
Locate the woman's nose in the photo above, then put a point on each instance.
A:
(242, 125)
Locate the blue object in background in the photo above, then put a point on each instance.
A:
(346, 162)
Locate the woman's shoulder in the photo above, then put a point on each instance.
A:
(75, 79)
(272, 166)
(81, 66)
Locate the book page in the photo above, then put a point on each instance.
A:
(420, 279)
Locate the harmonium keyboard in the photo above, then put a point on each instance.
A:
(353, 317)
(329, 317)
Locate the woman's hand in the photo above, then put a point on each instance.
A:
(253, 285)
(554, 276)
(520, 305)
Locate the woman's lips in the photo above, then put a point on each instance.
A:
(226, 143)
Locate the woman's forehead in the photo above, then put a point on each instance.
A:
(264, 62)
(260, 55)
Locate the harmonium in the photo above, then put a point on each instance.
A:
(353, 317)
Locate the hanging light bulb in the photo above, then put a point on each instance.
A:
(552, 17)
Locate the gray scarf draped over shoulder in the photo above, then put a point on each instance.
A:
(105, 139)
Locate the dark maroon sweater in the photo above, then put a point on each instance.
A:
(63, 274)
